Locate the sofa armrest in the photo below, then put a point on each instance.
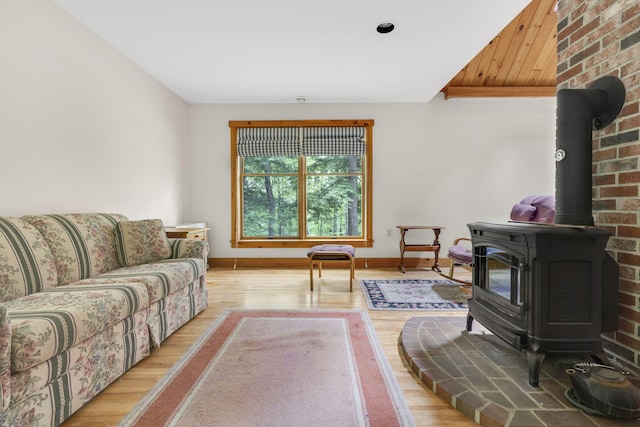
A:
(189, 248)
(5, 358)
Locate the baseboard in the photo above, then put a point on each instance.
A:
(361, 263)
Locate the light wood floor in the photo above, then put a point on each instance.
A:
(277, 289)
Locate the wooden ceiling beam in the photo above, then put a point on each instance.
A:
(499, 91)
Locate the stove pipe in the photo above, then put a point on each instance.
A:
(578, 112)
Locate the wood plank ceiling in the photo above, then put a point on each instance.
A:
(520, 61)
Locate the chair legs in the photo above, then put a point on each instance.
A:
(451, 276)
(318, 257)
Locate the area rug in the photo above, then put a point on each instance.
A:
(416, 294)
(279, 368)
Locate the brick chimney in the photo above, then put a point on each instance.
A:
(596, 39)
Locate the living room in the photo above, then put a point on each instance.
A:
(85, 129)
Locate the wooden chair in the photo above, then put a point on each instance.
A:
(460, 254)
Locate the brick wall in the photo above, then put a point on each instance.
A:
(602, 38)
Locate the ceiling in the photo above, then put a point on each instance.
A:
(256, 51)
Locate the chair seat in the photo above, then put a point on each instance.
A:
(460, 254)
(332, 248)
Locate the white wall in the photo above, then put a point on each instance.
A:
(81, 127)
(448, 163)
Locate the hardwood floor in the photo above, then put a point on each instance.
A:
(277, 289)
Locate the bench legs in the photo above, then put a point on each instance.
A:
(331, 256)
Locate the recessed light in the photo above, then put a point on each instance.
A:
(301, 99)
(385, 27)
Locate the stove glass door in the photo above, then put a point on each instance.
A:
(503, 275)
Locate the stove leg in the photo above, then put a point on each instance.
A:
(469, 322)
(601, 358)
(535, 363)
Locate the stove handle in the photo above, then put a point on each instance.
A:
(522, 265)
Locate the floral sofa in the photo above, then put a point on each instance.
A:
(84, 297)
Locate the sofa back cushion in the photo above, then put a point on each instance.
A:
(27, 264)
(83, 245)
(140, 242)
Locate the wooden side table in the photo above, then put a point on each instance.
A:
(420, 247)
(199, 233)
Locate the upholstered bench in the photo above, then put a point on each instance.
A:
(320, 253)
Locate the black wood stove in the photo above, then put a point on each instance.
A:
(542, 288)
(550, 288)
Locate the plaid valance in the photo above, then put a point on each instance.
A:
(302, 141)
(333, 141)
(264, 142)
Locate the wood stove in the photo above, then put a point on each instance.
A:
(541, 288)
(552, 287)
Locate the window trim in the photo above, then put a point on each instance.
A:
(236, 202)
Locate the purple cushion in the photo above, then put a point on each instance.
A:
(332, 248)
(535, 209)
(522, 212)
(545, 209)
(460, 253)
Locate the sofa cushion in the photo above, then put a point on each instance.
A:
(161, 278)
(26, 262)
(83, 245)
(46, 324)
(140, 242)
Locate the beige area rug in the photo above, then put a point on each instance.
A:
(279, 368)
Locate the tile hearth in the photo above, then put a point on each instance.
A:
(487, 380)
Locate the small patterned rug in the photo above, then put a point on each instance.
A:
(414, 294)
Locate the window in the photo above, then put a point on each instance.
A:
(301, 183)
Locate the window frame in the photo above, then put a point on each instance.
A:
(283, 242)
